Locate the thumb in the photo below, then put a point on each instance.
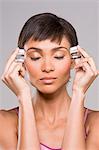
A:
(22, 71)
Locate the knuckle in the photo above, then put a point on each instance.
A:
(6, 77)
(96, 73)
(11, 75)
(91, 74)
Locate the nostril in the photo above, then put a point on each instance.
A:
(47, 67)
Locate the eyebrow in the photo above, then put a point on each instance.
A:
(40, 50)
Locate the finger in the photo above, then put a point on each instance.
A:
(86, 67)
(90, 59)
(77, 61)
(9, 85)
(14, 73)
(4, 80)
(5, 77)
(10, 60)
(92, 64)
(21, 70)
(13, 79)
(10, 77)
(97, 71)
(80, 62)
(82, 51)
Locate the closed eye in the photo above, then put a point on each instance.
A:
(36, 58)
(61, 57)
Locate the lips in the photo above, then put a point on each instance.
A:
(48, 80)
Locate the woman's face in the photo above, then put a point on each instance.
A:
(48, 64)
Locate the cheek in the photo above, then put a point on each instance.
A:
(64, 66)
(64, 72)
(32, 68)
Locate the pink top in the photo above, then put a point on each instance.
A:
(45, 147)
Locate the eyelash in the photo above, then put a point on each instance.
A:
(61, 57)
(34, 59)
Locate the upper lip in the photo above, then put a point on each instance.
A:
(47, 78)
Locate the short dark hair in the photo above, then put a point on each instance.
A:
(47, 26)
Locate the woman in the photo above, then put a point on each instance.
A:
(51, 119)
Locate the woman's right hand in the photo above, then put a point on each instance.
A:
(13, 76)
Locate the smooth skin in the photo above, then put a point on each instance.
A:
(51, 117)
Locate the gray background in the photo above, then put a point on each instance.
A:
(83, 15)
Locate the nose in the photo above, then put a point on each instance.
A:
(47, 65)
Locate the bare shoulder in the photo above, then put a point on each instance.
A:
(92, 130)
(93, 118)
(8, 117)
(8, 128)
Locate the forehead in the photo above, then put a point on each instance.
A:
(47, 44)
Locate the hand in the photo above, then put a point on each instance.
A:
(13, 76)
(86, 71)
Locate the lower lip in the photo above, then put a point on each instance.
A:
(48, 81)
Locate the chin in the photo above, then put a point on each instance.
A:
(47, 89)
(50, 89)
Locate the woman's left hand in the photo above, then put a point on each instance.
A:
(86, 72)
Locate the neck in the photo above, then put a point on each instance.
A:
(52, 107)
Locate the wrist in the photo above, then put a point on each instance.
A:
(79, 89)
(24, 97)
(78, 94)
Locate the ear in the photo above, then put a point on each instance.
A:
(72, 63)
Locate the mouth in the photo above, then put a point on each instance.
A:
(48, 80)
